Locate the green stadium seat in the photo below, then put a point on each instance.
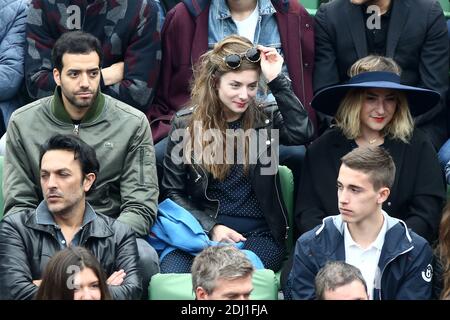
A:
(178, 286)
(310, 5)
(445, 4)
(287, 191)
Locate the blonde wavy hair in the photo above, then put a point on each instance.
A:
(348, 115)
(209, 109)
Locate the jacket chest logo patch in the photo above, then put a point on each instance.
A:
(108, 144)
(427, 274)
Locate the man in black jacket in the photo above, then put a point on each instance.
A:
(29, 238)
(412, 32)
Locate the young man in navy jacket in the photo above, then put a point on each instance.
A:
(394, 261)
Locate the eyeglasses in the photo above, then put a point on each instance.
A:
(233, 61)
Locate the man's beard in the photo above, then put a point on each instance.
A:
(82, 103)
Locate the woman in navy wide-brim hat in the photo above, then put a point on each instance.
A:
(374, 109)
(419, 100)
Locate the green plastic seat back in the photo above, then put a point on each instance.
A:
(310, 6)
(445, 4)
(287, 191)
(178, 286)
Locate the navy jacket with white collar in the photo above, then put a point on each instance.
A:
(404, 269)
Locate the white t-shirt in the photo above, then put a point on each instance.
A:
(247, 27)
(365, 260)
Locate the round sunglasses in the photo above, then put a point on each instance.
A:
(233, 61)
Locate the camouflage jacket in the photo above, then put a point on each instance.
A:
(128, 30)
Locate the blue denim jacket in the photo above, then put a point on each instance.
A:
(220, 25)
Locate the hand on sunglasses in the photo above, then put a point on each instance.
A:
(271, 62)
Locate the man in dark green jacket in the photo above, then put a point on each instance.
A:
(126, 187)
(129, 36)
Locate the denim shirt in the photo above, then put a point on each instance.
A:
(44, 217)
(220, 25)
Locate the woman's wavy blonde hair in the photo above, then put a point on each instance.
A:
(348, 115)
(209, 109)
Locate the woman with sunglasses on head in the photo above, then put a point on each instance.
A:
(374, 109)
(233, 197)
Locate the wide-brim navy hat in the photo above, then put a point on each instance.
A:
(420, 100)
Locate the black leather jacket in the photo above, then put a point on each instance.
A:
(26, 247)
(186, 184)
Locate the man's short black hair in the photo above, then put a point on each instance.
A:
(83, 152)
(75, 42)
